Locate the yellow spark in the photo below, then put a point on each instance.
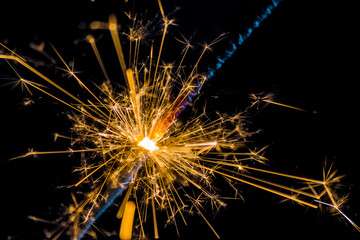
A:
(127, 221)
(91, 40)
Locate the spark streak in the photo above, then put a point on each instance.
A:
(127, 222)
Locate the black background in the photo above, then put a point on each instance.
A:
(306, 53)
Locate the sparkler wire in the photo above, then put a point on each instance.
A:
(123, 184)
(242, 37)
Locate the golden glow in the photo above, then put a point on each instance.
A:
(127, 221)
(109, 128)
(148, 144)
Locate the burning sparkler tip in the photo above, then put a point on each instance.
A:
(148, 144)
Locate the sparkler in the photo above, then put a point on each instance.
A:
(135, 141)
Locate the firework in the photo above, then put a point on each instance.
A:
(136, 143)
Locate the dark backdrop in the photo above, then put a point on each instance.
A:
(306, 53)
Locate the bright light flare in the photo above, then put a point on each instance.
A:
(148, 144)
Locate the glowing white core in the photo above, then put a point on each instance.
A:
(148, 144)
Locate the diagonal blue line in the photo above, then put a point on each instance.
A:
(242, 38)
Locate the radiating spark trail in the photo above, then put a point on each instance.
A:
(342, 214)
(269, 99)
